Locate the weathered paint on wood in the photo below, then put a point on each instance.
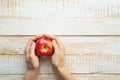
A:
(52, 77)
(16, 64)
(60, 26)
(90, 54)
(84, 54)
(59, 8)
(80, 45)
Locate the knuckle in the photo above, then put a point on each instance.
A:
(29, 40)
(30, 56)
(26, 50)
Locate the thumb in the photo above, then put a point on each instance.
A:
(32, 49)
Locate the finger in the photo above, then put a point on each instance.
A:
(32, 49)
(49, 36)
(27, 47)
(36, 37)
(60, 44)
(27, 50)
(55, 45)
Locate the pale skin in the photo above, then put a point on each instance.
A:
(57, 60)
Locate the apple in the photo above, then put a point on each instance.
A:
(44, 46)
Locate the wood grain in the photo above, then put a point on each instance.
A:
(83, 55)
(60, 26)
(89, 45)
(16, 64)
(52, 77)
(59, 8)
(90, 31)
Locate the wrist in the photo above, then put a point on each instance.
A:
(60, 69)
(33, 72)
(30, 75)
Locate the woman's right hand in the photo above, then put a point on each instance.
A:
(58, 55)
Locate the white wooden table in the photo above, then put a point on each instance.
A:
(89, 29)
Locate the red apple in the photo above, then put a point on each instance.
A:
(44, 46)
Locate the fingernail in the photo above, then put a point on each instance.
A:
(53, 41)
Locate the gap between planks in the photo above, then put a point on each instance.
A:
(53, 77)
(63, 35)
(71, 73)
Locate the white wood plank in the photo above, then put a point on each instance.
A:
(16, 64)
(60, 26)
(97, 77)
(80, 45)
(90, 54)
(59, 8)
(52, 77)
(20, 77)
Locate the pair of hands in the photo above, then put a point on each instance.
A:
(33, 62)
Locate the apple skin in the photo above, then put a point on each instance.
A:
(44, 46)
